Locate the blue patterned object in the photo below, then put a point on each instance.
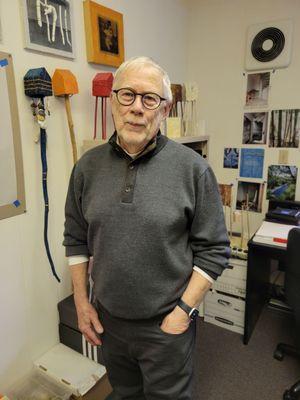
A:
(37, 83)
(3, 63)
(16, 203)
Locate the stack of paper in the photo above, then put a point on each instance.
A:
(273, 233)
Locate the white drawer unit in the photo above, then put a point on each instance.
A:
(233, 280)
(225, 311)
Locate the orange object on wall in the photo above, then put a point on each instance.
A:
(64, 82)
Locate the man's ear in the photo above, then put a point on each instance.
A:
(166, 110)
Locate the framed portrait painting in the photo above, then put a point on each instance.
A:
(104, 34)
(48, 26)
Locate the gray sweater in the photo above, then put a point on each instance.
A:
(146, 222)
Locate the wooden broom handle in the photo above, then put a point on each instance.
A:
(71, 127)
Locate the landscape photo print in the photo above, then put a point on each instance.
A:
(284, 128)
(282, 182)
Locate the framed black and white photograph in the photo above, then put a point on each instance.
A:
(258, 86)
(255, 128)
(284, 128)
(49, 26)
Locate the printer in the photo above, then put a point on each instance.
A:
(284, 212)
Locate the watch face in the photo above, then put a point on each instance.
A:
(194, 314)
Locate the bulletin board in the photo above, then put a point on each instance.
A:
(12, 193)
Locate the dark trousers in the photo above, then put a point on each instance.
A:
(143, 362)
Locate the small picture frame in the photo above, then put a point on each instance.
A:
(104, 34)
(49, 26)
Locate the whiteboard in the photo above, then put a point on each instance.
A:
(12, 196)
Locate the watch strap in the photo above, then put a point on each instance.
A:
(192, 312)
(185, 307)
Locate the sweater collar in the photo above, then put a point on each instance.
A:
(152, 147)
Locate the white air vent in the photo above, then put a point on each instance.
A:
(269, 45)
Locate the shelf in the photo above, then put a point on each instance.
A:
(197, 143)
(191, 139)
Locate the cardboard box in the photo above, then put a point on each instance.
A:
(37, 385)
(100, 391)
(69, 368)
(70, 335)
(225, 311)
(233, 280)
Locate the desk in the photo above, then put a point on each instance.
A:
(258, 276)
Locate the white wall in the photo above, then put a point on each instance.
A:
(28, 292)
(217, 40)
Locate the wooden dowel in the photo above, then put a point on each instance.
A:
(71, 127)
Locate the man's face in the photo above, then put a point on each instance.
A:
(135, 124)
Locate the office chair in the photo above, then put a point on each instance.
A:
(292, 293)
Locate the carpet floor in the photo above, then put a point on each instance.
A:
(226, 369)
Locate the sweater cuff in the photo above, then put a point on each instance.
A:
(72, 260)
(79, 250)
(204, 274)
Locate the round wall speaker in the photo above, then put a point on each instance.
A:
(268, 44)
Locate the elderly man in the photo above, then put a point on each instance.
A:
(148, 210)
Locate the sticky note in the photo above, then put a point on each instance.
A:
(4, 62)
(16, 203)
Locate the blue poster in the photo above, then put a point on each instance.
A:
(252, 163)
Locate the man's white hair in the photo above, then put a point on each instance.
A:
(139, 63)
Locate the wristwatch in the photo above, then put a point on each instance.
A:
(192, 312)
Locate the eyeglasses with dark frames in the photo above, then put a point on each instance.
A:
(126, 97)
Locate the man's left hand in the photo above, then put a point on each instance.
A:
(176, 322)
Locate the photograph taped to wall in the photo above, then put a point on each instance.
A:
(231, 157)
(49, 26)
(249, 196)
(226, 194)
(282, 182)
(255, 128)
(252, 163)
(284, 128)
(258, 86)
